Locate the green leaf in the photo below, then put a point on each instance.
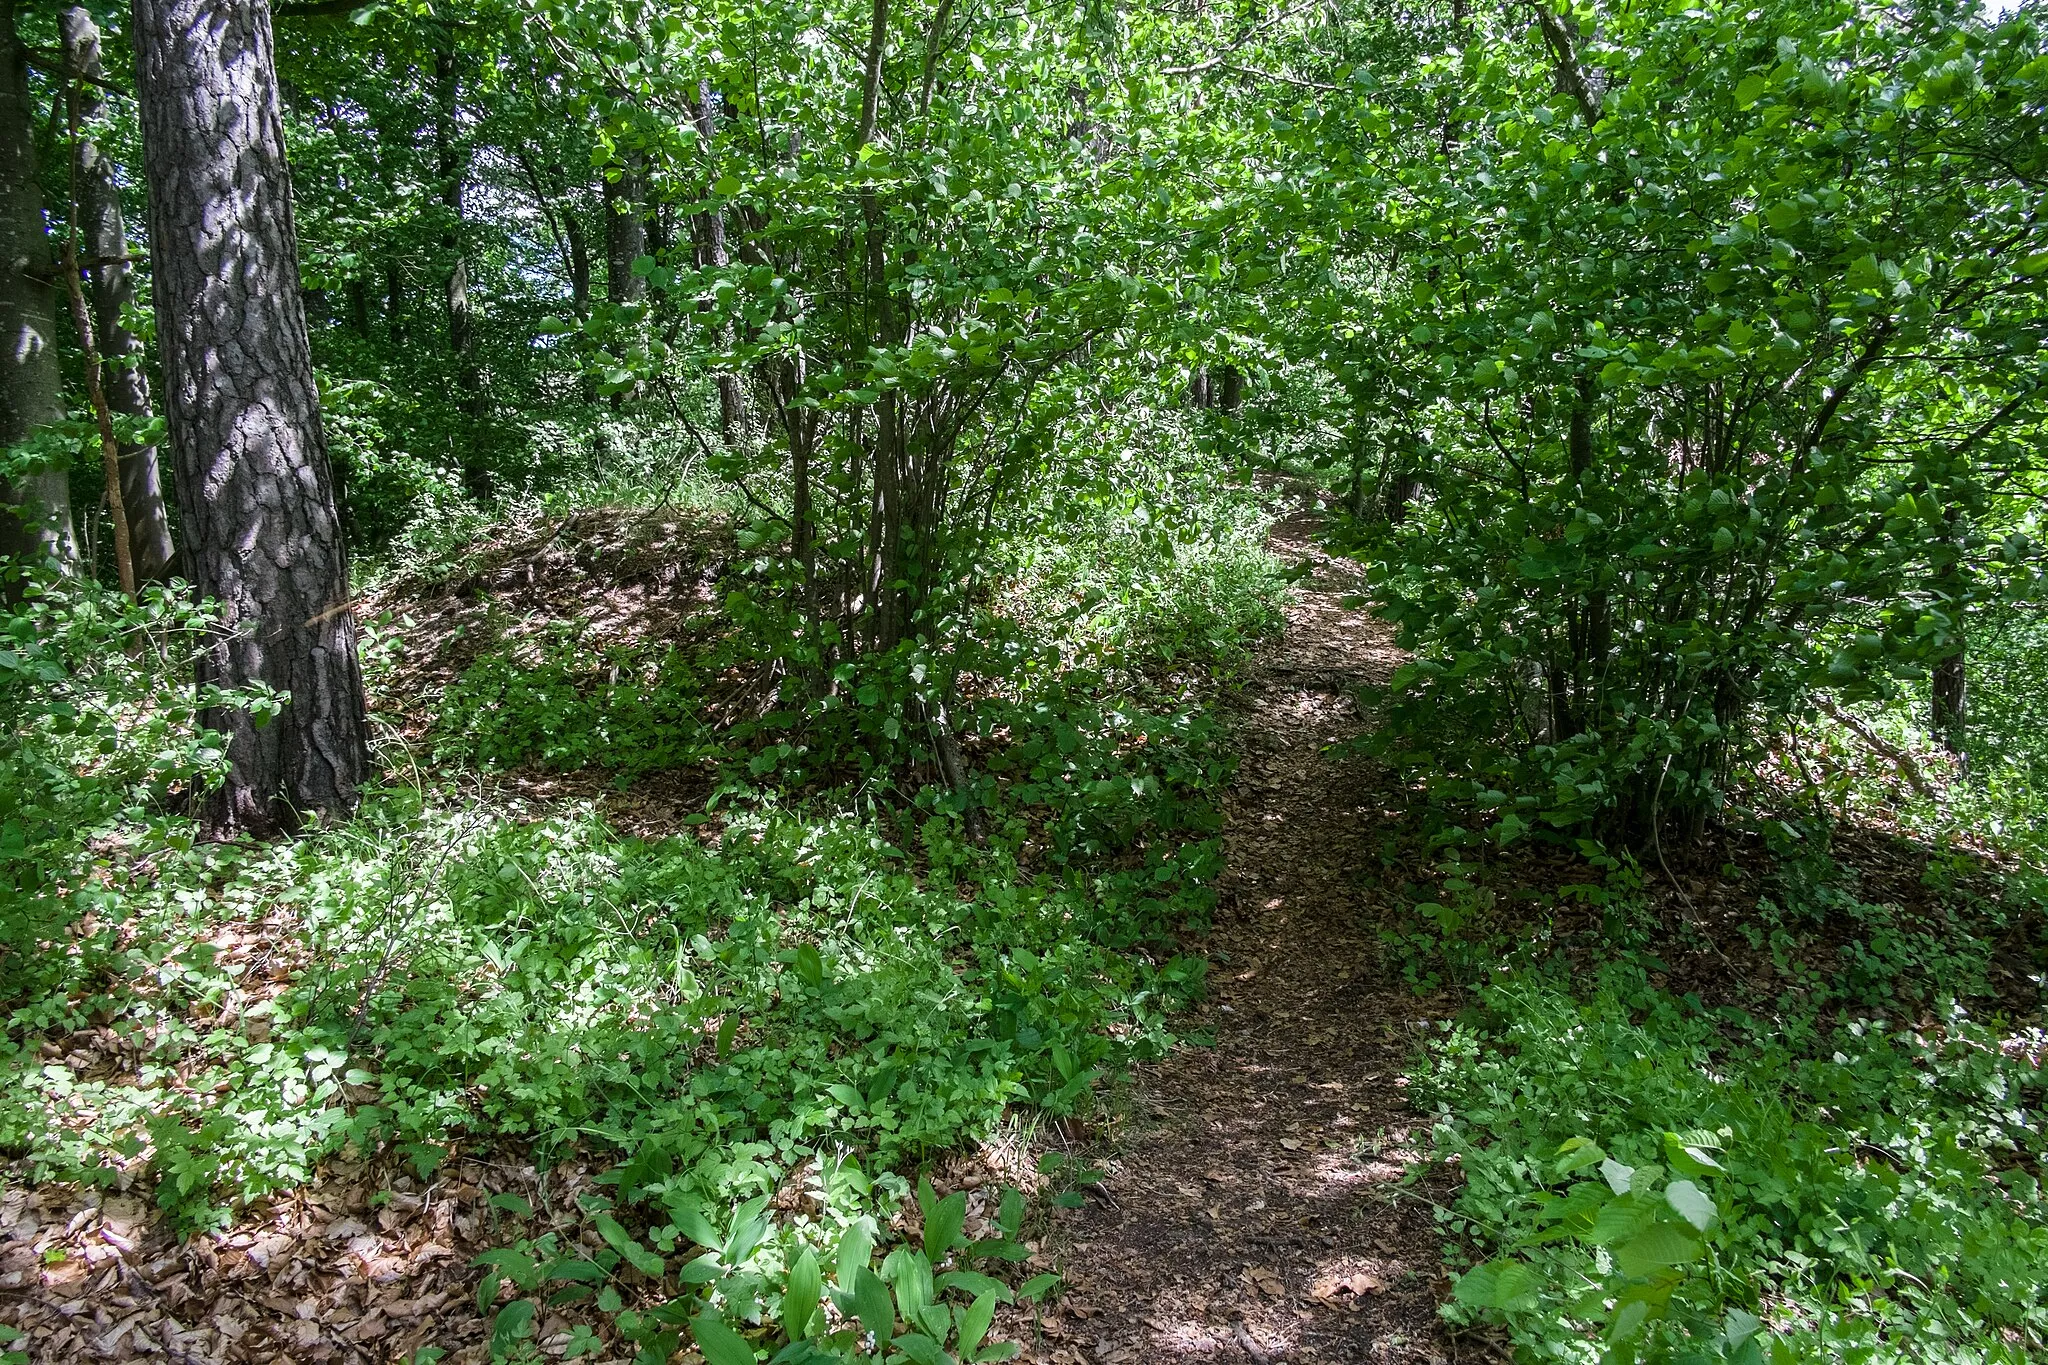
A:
(718, 1342)
(1688, 1157)
(1739, 1326)
(873, 1306)
(691, 1222)
(1657, 1247)
(1037, 1287)
(1618, 1175)
(975, 1323)
(943, 1223)
(800, 1297)
(1575, 1154)
(1691, 1203)
(1010, 1213)
(973, 1284)
(512, 1323)
(1509, 1286)
(810, 965)
(919, 1348)
(623, 1242)
(855, 1248)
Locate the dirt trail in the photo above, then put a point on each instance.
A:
(1248, 1210)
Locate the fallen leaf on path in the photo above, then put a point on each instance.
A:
(1266, 1282)
(1333, 1288)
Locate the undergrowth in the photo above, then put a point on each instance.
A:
(820, 987)
(1826, 1148)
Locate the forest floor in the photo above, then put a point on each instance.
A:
(1253, 1206)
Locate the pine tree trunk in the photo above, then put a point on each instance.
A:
(35, 510)
(112, 277)
(261, 532)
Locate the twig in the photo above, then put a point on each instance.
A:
(1899, 758)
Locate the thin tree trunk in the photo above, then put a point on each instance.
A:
(95, 392)
(123, 381)
(579, 261)
(394, 301)
(451, 165)
(35, 510)
(625, 233)
(262, 535)
(1951, 697)
(732, 410)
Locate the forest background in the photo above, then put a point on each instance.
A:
(787, 492)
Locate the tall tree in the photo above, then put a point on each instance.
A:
(35, 506)
(104, 243)
(261, 532)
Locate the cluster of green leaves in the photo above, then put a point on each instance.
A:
(1701, 351)
(558, 703)
(758, 1283)
(97, 731)
(1844, 1167)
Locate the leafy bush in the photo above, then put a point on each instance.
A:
(1657, 442)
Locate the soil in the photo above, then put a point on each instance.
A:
(1257, 1204)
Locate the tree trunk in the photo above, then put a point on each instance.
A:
(1230, 389)
(711, 254)
(122, 377)
(579, 261)
(451, 165)
(1951, 701)
(261, 532)
(35, 510)
(625, 233)
(394, 301)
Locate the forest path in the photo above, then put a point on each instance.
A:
(1249, 1211)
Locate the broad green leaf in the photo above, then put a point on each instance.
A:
(1691, 1203)
(800, 1297)
(873, 1306)
(855, 1249)
(1575, 1154)
(922, 1349)
(512, 1323)
(719, 1343)
(1656, 1247)
(975, 1323)
(942, 1225)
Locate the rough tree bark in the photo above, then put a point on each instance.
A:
(112, 277)
(261, 531)
(35, 509)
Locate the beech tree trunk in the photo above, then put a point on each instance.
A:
(261, 531)
(104, 242)
(35, 509)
